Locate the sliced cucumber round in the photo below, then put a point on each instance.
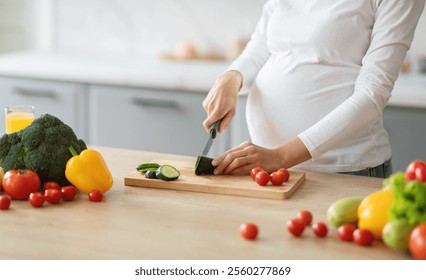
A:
(151, 174)
(167, 173)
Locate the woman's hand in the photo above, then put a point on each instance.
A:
(243, 158)
(221, 101)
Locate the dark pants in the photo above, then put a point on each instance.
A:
(381, 171)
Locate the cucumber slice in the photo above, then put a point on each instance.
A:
(204, 166)
(167, 173)
(144, 167)
(151, 174)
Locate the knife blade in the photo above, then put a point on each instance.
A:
(213, 132)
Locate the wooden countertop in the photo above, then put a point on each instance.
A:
(142, 223)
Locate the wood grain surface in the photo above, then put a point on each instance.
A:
(133, 223)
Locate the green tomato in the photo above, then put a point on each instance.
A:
(396, 234)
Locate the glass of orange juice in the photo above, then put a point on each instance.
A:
(18, 117)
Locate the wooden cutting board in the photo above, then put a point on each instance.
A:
(223, 184)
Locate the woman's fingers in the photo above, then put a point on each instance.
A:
(241, 159)
(221, 101)
(234, 159)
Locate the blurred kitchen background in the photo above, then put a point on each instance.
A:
(133, 73)
(130, 27)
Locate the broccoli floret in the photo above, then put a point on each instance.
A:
(12, 152)
(41, 147)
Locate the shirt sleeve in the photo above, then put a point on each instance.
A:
(256, 52)
(391, 37)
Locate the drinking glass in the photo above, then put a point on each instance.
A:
(18, 117)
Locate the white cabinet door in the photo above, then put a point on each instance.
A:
(147, 119)
(67, 101)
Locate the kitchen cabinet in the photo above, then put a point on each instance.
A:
(125, 117)
(149, 119)
(67, 101)
(238, 131)
(406, 127)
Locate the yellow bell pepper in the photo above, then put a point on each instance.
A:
(88, 171)
(373, 212)
(1, 176)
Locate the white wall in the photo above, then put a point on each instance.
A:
(152, 27)
(13, 25)
(132, 27)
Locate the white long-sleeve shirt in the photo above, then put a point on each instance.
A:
(323, 70)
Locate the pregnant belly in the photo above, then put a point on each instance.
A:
(283, 104)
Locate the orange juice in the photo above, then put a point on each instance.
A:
(16, 121)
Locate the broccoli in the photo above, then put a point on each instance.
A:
(41, 147)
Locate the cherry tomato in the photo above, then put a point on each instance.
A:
(416, 171)
(277, 178)
(254, 172)
(345, 232)
(95, 196)
(53, 196)
(36, 199)
(305, 217)
(262, 178)
(51, 185)
(363, 237)
(295, 226)
(18, 184)
(285, 172)
(417, 242)
(4, 202)
(68, 193)
(249, 231)
(320, 229)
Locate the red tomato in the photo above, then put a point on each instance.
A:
(95, 196)
(18, 184)
(417, 242)
(363, 237)
(295, 226)
(320, 229)
(262, 178)
(277, 178)
(68, 193)
(416, 171)
(254, 172)
(285, 172)
(51, 185)
(53, 196)
(36, 199)
(305, 217)
(249, 231)
(345, 232)
(4, 202)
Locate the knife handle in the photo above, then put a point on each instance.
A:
(214, 128)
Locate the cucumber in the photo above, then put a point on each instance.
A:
(151, 174)
(144, 167)
(167, 173)
(203, 166)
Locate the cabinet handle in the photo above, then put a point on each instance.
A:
(32, 92)
(148, 102)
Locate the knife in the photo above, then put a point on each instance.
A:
(213, 132)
